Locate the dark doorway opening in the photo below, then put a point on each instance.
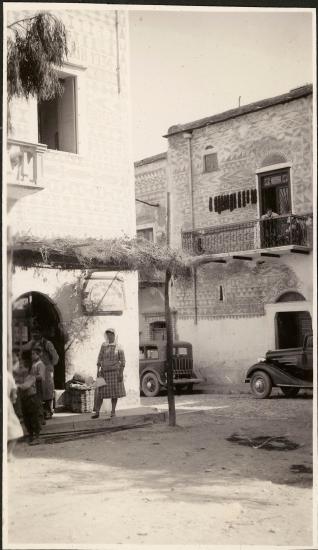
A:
(291, 328)
(32, 309)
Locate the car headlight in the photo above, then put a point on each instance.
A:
(261, 359)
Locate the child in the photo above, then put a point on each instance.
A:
(17, 371)
(29, 401)
(14, 427)
(39, 371)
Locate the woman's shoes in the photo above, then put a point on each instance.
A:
(112, 414)
(95, 415)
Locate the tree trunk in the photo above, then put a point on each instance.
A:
(171, 402)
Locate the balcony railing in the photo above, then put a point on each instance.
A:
(251, 235)
(24, 167)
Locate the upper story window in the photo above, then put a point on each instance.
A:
(57, 122)
(146, 233)
(275, 191)
(210, 162)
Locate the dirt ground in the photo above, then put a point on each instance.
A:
(164, 485)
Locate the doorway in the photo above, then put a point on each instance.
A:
(36, 308)
(291, 328)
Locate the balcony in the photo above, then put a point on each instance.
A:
(248, 240)
(24, 169)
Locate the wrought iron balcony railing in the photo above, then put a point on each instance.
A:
(251, 235)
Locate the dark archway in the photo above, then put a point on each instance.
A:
(291, 296)
(291, 328)
(36, 308)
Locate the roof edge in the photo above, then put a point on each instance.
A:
(149, 160)
(295, 93)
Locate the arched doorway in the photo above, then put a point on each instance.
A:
(292, 326)
(36, 308)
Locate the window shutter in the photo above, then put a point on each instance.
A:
(67, 117)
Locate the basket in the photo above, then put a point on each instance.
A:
(80, 400)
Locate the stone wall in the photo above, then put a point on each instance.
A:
(243, 145)
(151, 186)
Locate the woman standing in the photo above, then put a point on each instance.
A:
(110, 366)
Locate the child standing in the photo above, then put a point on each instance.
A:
(39, 371)
(30, 403)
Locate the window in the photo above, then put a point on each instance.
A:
(146, 234)
(275, 191)
(221, 294)
(210, 162)
(57, 119)
(152, 352)
(158, 330)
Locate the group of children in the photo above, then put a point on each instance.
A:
(31, 391)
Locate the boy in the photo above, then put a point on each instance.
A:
(38, 369)
(30, 404)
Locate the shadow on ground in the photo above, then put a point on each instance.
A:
(191, 462)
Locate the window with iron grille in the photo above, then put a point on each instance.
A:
(210, 162)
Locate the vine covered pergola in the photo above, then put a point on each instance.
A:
(121, 254)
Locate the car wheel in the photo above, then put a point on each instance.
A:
(150, 385)
(290, 392)
(261, 384)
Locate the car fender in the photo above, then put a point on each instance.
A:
(277, 376)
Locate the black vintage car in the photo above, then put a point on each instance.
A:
(288, 369)
(153, 363)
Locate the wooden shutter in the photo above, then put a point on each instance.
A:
(67, 117)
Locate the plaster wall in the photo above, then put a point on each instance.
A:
(86, 334)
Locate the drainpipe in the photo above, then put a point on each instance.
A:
(117, 52)
(188, 136)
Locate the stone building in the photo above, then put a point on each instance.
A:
(151, 215)
(252, 289)
(70, 173)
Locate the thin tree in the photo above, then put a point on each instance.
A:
(36, 48)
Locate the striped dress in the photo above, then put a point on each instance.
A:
(111, 361)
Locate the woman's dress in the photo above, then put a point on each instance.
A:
(111, 361)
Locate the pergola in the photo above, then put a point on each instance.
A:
(121, 254)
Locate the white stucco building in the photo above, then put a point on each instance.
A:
(69, 173)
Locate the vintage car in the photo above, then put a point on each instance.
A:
(153, 364)
(289, 369)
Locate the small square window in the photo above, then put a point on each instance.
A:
(211, 162)
(57, 119)
(146, 233)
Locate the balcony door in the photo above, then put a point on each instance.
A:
(275, 191)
